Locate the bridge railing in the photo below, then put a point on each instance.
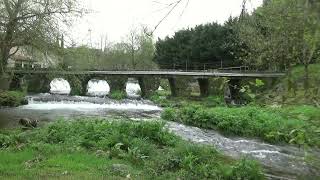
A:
(194, 67)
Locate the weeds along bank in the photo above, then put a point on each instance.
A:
(296, 124)
(282, 114)
(12, 98)
(95, 148)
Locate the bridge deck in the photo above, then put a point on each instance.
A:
(157, 73)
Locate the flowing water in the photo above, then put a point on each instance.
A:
(281, 162)
(98, 88)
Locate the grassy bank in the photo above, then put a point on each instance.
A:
(12, 98)
(90, 149)
(118, 95)
(295, 124)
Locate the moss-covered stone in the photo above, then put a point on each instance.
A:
(38, 83)
(78, 84)
(148, 85)
(180, 86)
(117, 83)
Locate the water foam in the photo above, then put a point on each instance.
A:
(83, 106)
(60, 86)
(98, 88)
(133, 89)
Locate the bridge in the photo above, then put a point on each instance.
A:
(148, 80)
(159, 73)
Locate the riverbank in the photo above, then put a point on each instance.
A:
(276, 124)
(92, 148)
(12, 98)
(297, 125)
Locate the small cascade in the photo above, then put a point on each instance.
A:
(133, 89)
(84, 103)
(60, 86)
(98, 88)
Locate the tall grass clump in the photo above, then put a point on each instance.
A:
(116, 149)
(117, 95)
(272, 125)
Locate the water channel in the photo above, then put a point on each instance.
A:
(280, 162)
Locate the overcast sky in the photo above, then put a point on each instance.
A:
(115, 18)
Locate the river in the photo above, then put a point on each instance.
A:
(280, 162)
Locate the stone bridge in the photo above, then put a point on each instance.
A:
(149, 81)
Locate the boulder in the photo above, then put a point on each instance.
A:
(28, 122)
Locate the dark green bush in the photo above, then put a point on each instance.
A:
(169, 114)
(12, 98)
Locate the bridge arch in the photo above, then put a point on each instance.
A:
(60, 86)
(97, 87)
(133, 89)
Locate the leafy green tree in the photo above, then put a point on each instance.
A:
(280, 34)
(32, 23)
(137, 54)
(196, 47)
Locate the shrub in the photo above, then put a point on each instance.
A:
(269, 124)
(247, 169)
(12, 98)
(169, 114)
(118, 95)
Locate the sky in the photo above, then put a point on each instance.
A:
(115, 18)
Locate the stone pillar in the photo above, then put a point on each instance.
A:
(117, 83)
(204, 87)
(172, 84)
(179, 86)
(39, 83)
(234, 91)
(78, 84)
(217, 86)
(148, 85)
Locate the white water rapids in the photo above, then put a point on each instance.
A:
(95, 87)
(285, 161)
(98, 88)
(60, 86)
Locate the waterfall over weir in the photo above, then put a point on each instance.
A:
(95, 87)
(98, 88)
(60, 86)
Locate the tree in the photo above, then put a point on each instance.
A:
(133, 43)
(204, 46)
(34, 23)
(311, 36)
(282, 33)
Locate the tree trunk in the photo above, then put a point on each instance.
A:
(4, 59)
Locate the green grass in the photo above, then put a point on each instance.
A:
(117, 95)
(92, 149)
(296, 124)
(12, 98)
(163, 99)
